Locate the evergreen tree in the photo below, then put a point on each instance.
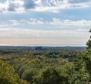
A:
(87, 57)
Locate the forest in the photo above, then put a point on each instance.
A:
(45, 65)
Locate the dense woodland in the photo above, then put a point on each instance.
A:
(45, 65)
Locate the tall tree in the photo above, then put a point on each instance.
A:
(87, 57)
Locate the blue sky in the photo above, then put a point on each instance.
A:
(45, 22)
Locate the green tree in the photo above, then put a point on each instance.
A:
(8, 75)
(87, 57)
(50, 76)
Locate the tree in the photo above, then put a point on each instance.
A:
(87, 57)
(8, 75)
(50, 76)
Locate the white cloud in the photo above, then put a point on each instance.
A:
(44, 25)
(54, 24)
(12, 5)
(59, 32)
(54, 21)
(73, 22)
(42, 5)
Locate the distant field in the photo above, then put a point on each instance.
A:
(14, 49)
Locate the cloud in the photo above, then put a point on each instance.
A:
(42, 5)
(11, 5)
(44, 24)
(53, 22)
(28, 4)
(44, 32)
(40, 37)
(78, 1)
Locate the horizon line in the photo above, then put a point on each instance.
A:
(44, 45)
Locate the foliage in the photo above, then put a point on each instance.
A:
(50, 76)
(8, 75)
(45, 66)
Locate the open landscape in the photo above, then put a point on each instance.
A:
(44, 65)
(45, 41)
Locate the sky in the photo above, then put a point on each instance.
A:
(45, 22)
